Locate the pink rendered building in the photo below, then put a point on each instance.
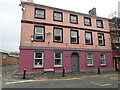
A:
(54, 38)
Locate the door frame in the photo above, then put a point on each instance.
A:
(78, 61)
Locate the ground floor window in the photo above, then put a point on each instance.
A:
(57, 59)
(38, 59)
(89, 59)
(102, 59)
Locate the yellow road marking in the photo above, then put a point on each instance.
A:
(101, 84)
(42, 80)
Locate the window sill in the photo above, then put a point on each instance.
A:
(58, 42)
(90, 65)
(39, 18)
(88, 25)
(103, 65)
(58, 67)
(99, 27)
(58, 20)
(38, 41)
(74, 22)
(38, 67)
(101, 45)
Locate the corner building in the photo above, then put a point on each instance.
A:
(55, 38)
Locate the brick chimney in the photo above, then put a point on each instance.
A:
(30, 1)
(92, 12)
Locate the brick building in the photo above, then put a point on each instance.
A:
(55, 38)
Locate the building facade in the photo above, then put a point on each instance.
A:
(115, 41)
(57, 38)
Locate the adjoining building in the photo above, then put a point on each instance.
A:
(115, 41)
(54, 38)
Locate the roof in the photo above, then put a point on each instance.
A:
(40, 5)
(6, 52)
(3, 51)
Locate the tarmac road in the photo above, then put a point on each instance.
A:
(87, 80)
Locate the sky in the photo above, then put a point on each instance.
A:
(10, 16)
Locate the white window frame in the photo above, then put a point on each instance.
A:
(38, 58)
(39, 34)
(88, 38)
(40, 15)
(74, 19)
(87, 21)
(99, 23)
(57, 16)
(104, 59)
(74, 36)
(101, 39)
(58, 58)
(55, 29)
(92, 58)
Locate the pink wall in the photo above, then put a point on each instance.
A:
(28, 30)
(26, 60)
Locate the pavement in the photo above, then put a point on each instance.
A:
(12, 76)
(74, 79)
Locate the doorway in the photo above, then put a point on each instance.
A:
(75, 62)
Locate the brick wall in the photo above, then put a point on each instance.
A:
(10, 60)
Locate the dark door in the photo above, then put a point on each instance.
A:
(75, 62)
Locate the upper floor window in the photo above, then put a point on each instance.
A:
(58, 59)
(99, 23)
(38, 59)
(39, 33)
(40, 13)
(88, 38)
(73, 18)
(101, 40)
(74, 37)
(87, 21)
(58, 16)
(102, 59)
(58, 35)
(90, 59)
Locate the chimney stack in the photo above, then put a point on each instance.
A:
(30, 1)
(92, 12)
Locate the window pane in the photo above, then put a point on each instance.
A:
(58, 16)
(40, 13)
(39, 37)
(58, 38)
(58, 35)
(101, 39)
(99, 23)
(39, 30)
(38, 62)
(57, 55)
(89, 61)
(57, 61)
(88, 38)
(58, 31)
(73, 19)
(87, 21)
(38, 55)
(73, 34)
(73, 40)
(88, 35)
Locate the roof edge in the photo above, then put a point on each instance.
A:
(35, 4)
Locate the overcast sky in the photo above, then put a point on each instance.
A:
(10, 16)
